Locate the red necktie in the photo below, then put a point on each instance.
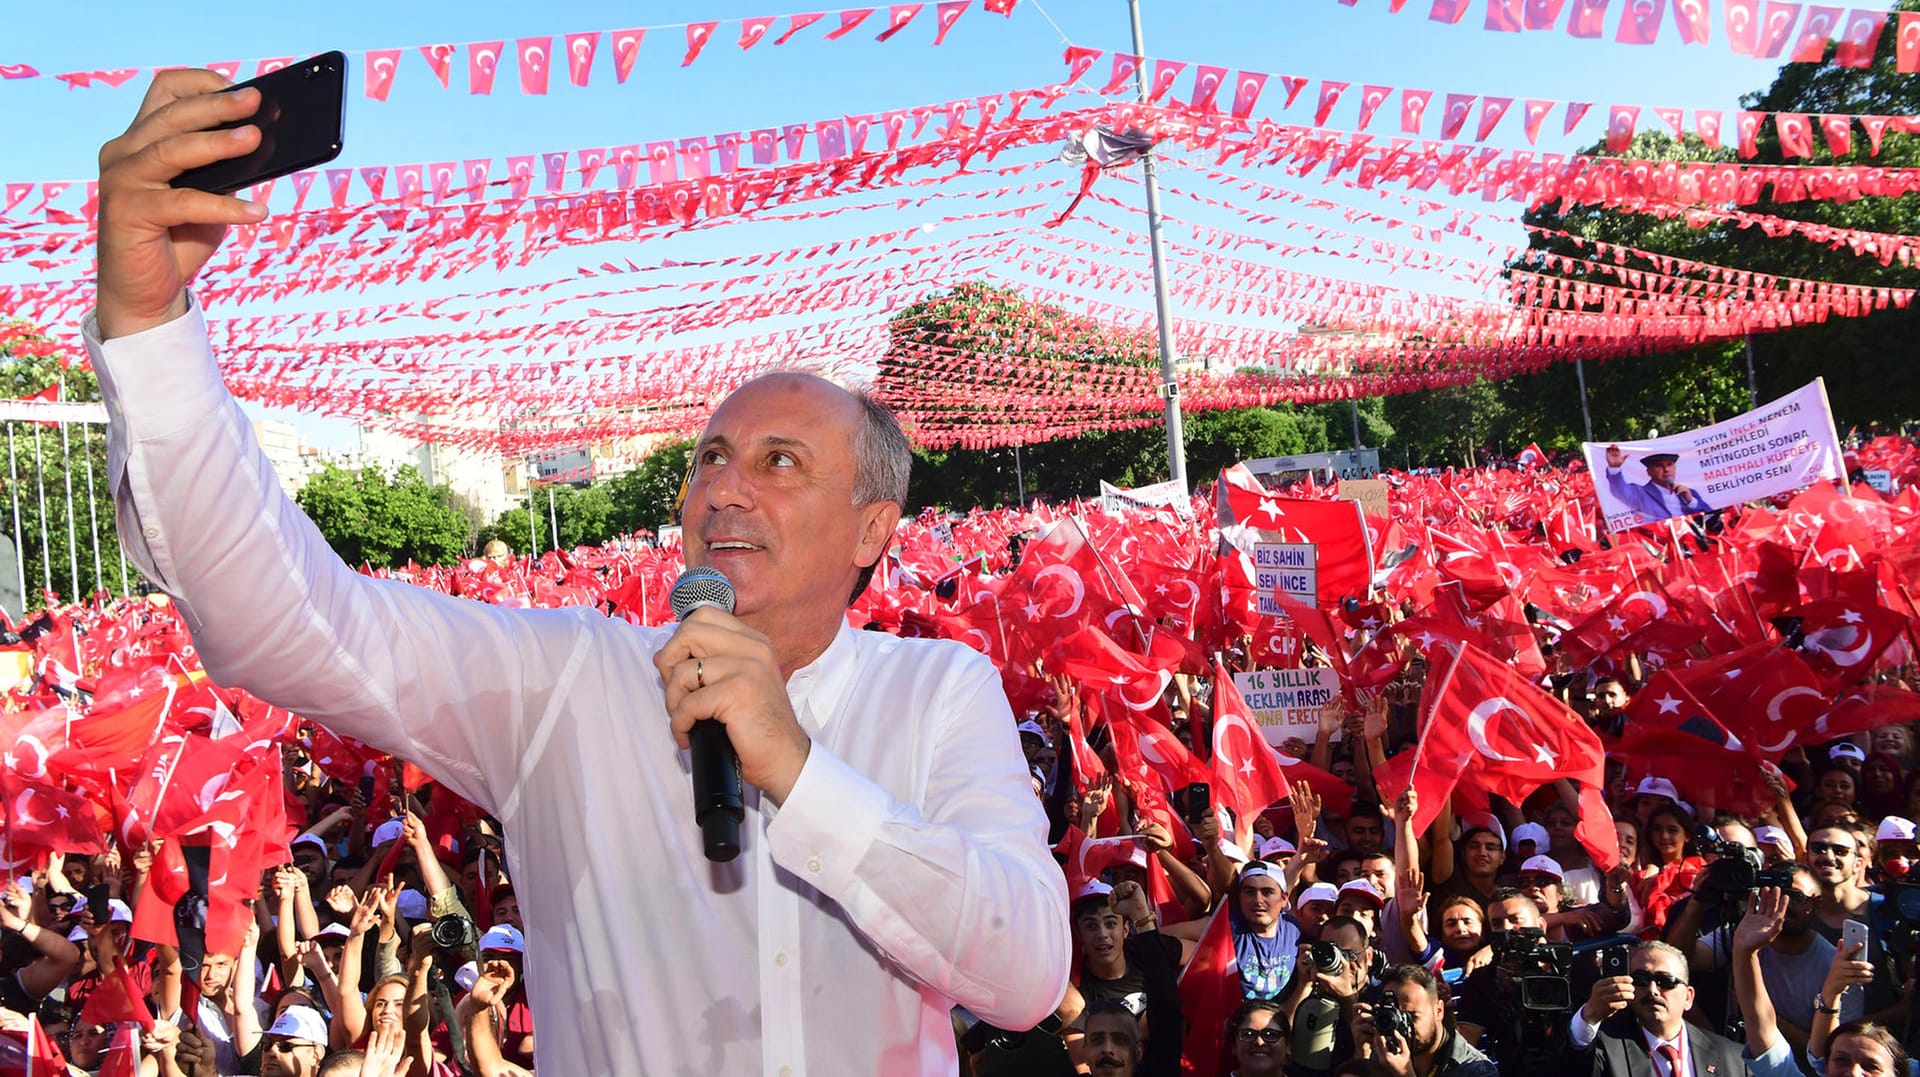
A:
(1672, 1054)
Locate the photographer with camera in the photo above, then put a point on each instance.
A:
(1409, 1031)
(1635, 1025)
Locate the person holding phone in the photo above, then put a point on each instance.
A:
(892, 845)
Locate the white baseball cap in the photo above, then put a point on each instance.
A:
(1545, 865)
(314, 840)
(120, 912)
(467, 975)
(1318, 892)
(1031, 728)
(412, 906)
(1847, 749)
(1532, 832)
(334, 931)
(302, 1023)
(391, 830)
(1776, 837)
(1656, 787)
(1276, 846)
(1484, 821)
(1894, 828)
(503, 937)
(1364, 888)
(1092, 888)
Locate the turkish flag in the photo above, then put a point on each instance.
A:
(1158, 750)
(1246, 770)
(1616, 623)
(1492, 730)
(32, 1053)
(1588, 19)
(483, 60)
(1776, 26)
(1246, 93)
(1816, 33)
(1413, 109)
(698, 34)
(1449, 11)
(1842, 639)
(1620, 123)
(1210, 991)
(1670, 731)
(626, 50)
(580, 52)
(1094, 659)
(1505, 16)
(1542, 14)
(1907, 45)
(117, 999)
(1640, 22)
(48, 816)
(1743, 25)
(536, 63)
(1796, 133)
(1693, 18)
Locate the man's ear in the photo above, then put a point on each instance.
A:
(877, 522)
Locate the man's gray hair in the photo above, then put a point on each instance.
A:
(882, 456)
(1655, 946)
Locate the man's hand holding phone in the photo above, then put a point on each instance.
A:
(155, 238)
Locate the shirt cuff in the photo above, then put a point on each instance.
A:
(1583, 1033)
(169, 369)
(831, 817)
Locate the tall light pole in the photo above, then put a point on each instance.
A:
(1169, 385)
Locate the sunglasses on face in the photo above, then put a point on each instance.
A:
(1665, 981)
(1268, 1035)
(1830, 848)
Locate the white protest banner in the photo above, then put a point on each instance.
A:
(1287, 702)
(1776, 448)
(1285, 566)
(1171, 494)
(1880, 479)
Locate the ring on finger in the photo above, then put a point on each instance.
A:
(700, 672)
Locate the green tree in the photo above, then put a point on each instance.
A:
(41, 462)
(371, 518)
(644, 498)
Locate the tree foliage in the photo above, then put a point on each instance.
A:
(39, 461)
(384, 521)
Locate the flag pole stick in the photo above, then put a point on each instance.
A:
(66, 479)
(40, 482)
(19, 545)
(93, 512)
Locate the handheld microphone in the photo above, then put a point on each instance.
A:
(717, 802)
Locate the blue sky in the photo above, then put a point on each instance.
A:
(53, 133)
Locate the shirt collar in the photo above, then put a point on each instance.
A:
(1679, 1041)
(821, 686)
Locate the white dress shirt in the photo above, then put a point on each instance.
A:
(907, 870)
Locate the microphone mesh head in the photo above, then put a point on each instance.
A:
(699, 587)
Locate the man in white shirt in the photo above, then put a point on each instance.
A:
(893, 860)
(1652, 1038)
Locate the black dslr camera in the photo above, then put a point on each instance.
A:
(1391, 1021)
(1735, 873)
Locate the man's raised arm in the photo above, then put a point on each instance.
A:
(271, 608)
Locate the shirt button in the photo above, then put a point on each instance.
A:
(786, 1071)
(813, 864)
(152, 532)
(780, 960)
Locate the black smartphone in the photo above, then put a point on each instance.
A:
(1197, 802)
(1615, 961)
(302, 121)
(366, 788)
(98, 904)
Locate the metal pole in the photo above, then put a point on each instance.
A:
(1354, 407)
(1586, 417)
(1753, 383)
(93, 512)
(1169, 387)
(553, 519)
(19, 544)
(66, 480)
(533, 532)
(1019, 480)
(40, 481)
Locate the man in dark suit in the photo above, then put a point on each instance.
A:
(1651, 1038)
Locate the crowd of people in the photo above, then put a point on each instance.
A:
(1746, 905)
